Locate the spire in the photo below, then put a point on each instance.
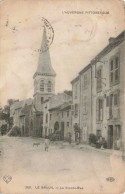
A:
(44, 63)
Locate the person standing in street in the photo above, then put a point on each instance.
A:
(47, 142)
(70, 138)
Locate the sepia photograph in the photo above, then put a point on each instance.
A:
(62, 97)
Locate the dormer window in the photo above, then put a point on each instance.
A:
(42, 85)
(49, 86)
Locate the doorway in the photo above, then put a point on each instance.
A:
(23, 130)
(62, 130)
(56, 126)
(110, 137)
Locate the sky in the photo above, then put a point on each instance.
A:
(78, 38)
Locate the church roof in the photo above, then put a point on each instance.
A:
(20, 104)
(44, 63)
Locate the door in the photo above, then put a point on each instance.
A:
(62, 130)
(56, 126)
(118, 137)
(23, 130)
(110, 137)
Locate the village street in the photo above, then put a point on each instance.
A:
(31, 168)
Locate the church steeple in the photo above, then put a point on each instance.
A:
(44, 77)
(44, 63)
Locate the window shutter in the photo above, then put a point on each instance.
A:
(97, 110)
(101, 114)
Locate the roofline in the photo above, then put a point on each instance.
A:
(47, 100)
(75, 79)
(54, 108)
(85, 69)
(66, 107)
(46, 74)
(117, 40)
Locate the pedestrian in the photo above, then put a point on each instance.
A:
(70, 138)
(47, 142)
(118, 144)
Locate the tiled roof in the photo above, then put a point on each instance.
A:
(20, 104)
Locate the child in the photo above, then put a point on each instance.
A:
(46, 143)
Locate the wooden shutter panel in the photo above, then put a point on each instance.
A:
(97, 110)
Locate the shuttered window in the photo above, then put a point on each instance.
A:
(99, 79)
(49, 86)
(114, 70)
(99, 109)
(42, 85)
(107, 101)
(76, 110)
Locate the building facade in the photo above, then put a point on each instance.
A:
(86, 103)
(76, 107)
(44, 87)
(54, 114)
(99, 91)
(107, 84)
(95, 105)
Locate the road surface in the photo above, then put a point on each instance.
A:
(63, 169)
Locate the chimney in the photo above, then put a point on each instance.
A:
(111, 39)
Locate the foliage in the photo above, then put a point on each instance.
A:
(92, 138)
(54, 137)
(5, 112)
(15, 131)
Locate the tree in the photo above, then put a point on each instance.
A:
(5, 113)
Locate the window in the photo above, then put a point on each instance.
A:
(114, 70)
(76, 110)
(115, 99)
(85, 81)
(76, 91)
(49, 86)
(62, 114)
(98, 133)
(85, 104)
(107, 101)
(50, 116)
(99, 80)
(111, 103)
(46, 118)
(67, 113)
(67, 124)
(42, 85)
(99, 110)
(42, 100)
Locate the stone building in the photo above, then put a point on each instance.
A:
(107, 93)
(44, 77)
(44, 87)
(98, 95)
(54, 108)
(85, 103)
(24, 120)
(44, 84)
(65, 118)
(15, 110)
(82, 104)
(76, 107)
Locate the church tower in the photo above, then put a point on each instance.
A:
(44, 77)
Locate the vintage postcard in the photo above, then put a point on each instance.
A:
(62, 96)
